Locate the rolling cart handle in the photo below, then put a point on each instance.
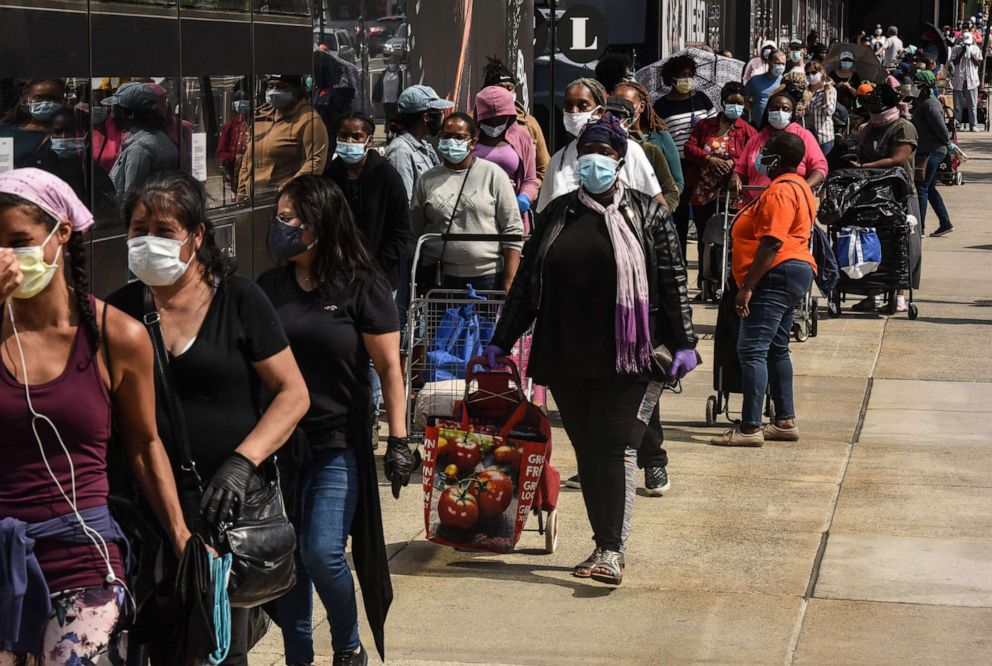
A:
(454, 237)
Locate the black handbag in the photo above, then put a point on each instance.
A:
(261, 539)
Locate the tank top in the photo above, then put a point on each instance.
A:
(78, 403)
(505, 157)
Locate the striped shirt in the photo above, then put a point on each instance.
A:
(682, 115)
(820, 114)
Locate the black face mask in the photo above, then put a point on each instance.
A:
(434, 123)
(286, 241)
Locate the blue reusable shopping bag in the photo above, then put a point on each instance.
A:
(859, 252)
(460, 336)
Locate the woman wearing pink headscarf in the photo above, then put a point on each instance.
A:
(67, 360)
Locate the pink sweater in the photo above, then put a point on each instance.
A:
(745, 168)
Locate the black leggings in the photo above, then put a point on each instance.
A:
(600, 417)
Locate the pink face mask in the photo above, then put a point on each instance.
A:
(885, 117)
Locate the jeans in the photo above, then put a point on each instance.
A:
(966, 99)
(328, 499)
(927, 191)
(763, 343)
(827, 147)
(600, 417)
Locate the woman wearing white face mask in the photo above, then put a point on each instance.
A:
(585, 102)
(819, 118)
(67, 360)
(778, 118)
(223, 339)
(288, 139)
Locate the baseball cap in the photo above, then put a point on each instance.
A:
(133, 96)
(418, 98)
(847, 55)
(620, 107)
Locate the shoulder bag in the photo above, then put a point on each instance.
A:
(261, 539)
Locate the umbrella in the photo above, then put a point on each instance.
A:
(933, 43)
(866, 63)
(712, 73)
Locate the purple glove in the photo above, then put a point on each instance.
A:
(685, 361)
(492, 352)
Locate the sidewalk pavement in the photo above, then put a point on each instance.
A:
(869, 542)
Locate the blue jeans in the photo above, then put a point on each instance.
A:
(927, 191)
(763, 342)
(827, 147)
(328, 499)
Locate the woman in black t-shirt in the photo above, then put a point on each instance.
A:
(338, 311)
(223, 338)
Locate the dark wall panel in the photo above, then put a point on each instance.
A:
(215, 48)
(134, 45)
(282, 49)
(65, 36)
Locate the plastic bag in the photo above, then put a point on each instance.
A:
(859, 251)
(864, 197)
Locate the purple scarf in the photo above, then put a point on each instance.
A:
(631, 329)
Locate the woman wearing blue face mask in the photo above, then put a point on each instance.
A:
(601, 259)
(466, 195)
(29, 123)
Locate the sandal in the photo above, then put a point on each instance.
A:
(609, 569)
(584, 568)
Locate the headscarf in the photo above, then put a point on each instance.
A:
(606, 130)
(49, 193)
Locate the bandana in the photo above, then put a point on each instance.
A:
(606, 130)
(49, 193)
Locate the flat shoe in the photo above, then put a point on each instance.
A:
(737, 438)
(775, 434)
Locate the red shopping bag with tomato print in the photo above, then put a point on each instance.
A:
(482, 466)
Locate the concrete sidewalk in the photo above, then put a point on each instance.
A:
(870, 542)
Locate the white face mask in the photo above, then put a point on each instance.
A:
(155, 261)
(576, 122)
(813, 78)
(493, 130)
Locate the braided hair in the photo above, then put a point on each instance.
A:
(595, 87)
(650, 121)
(496, 73)
(76, 248)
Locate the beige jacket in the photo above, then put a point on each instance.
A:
(283, 146)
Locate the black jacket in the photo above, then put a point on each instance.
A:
(668, 292)
(382, 211)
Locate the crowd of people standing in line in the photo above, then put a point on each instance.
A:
(300, 361)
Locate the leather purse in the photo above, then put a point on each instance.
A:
(661, 362)
(261, 539)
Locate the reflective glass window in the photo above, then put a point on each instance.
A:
(288, 7)
(387, 37)
(225, 5)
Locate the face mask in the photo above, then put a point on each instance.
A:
(350, 153)
(393, 67)
(155, 261)
(286, 241)
(43, 110)
(37, 272)
(779, 119)
(68, 147)
(493, 130)
(796, 56)
(778, 70)
(764, 163)
(597, 172)
(813, 78)
(242, 106)
(846, 64)
(279, 99)
(453, 150)
(684, 85)
(98, 114)
(733, 111)
(434, 123)
(576, 122)
(765, 53)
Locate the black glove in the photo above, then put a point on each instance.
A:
(224, 495)
(400, 462)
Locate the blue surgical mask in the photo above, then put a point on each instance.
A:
(778, 70)
(43, 110)
(795, 56)
(68, 147)
(597, 172)
(733, 111)
(779, 119)
(764, 168)
(453, 150)
(846, 64)
(350, 153)
(393, 67)
(242, 106)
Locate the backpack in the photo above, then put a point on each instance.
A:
(828, 272)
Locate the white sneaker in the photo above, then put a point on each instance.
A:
(901, 304)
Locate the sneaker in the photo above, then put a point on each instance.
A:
(737, 438)
(573, 482)
(609, 568)
(869, 304)
(656, 481)
(901, 304)
(775, 434)
(942, 231)
(360, 658)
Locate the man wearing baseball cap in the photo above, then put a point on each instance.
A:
(147, 149)
(420, 112)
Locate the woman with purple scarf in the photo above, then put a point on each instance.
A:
(603, 277)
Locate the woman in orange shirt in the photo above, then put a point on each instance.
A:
(773, 269)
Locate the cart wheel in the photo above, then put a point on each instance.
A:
(892, 304)
(958, 178)
(814, 318)
(711, 410)
(800, 331)
(913, 311)
(551, 532)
